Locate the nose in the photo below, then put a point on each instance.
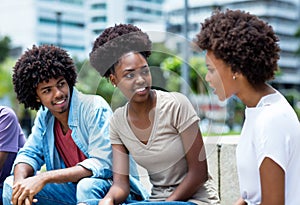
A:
(207, 78)
(57, 92)
(140, 79)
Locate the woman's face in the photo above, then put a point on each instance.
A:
(132, 76)
(220, 77)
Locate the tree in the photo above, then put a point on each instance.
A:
(172, 66)
(4, 48)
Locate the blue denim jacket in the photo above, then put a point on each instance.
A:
(89, 117)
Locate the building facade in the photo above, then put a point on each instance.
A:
(148, 14)
(71, 24)
(282, 15)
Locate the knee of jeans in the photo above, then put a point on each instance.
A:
(7, 188)
(93, 187)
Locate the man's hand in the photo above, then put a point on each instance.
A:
(25, 190)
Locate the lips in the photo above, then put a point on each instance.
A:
(60, 102)
(141, 91)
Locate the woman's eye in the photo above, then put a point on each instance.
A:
(130, 75)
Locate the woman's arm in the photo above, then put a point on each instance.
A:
(240, 201)
(272, 178)
(120, 189)
(197, 164)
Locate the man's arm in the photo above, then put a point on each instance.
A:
(3, 157)
(26, 186)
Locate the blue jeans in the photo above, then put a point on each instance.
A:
(134, 202)
(66, 193)
(161, 203)
(1, 190)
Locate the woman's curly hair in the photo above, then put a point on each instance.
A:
(243, 41)
(116, 41)
(39, 64)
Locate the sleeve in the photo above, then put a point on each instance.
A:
(99, 150)
(10, 131)
(184, 113)
(32, 153)
(273, 141)
(114, 136)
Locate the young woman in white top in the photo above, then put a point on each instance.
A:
(159, 129)
(242, 55)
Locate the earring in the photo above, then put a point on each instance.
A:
(114, 85)
(234, 77)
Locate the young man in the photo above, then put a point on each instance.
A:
(11, 140)
(70, 134)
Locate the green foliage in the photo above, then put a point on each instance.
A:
(197, 75)
(171, 67)
(197, 69)
(4, 48)
(293, 97)
(90, 82)
(158, 54)
(6, 86)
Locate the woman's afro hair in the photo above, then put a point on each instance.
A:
(39, 64)
(243, 41)
(116, 41)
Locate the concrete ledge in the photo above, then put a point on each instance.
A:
(221, 161)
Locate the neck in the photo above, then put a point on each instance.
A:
(143, 107)
(255, 93)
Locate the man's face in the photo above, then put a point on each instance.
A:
(55, 95)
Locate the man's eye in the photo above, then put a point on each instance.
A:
(46, 91)
(61, 84)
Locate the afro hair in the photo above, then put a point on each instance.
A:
(243, 41)
(39, 64)
(116, 41)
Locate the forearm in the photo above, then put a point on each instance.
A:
(22, 171)
(117, 194)
(71, 174)
(3, 157)
(240, 201)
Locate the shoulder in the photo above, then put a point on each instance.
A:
(7, 112)
(7, 116)
(173, 98)
(118, 114)
(90, 101)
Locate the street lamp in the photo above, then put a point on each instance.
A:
(58, 28)
(185, 67)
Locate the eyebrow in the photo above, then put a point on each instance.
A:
(131, 69)
(47, 87)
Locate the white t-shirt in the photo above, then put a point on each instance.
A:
(163, 156)
(272, 130)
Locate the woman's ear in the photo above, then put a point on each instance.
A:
(112, 80)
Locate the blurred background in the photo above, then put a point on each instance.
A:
(172, 26)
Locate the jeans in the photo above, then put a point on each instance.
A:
(66, 193)
(1, 190)
(133, 202)
(161, 203)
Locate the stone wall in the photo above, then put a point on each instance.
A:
(222, 166)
